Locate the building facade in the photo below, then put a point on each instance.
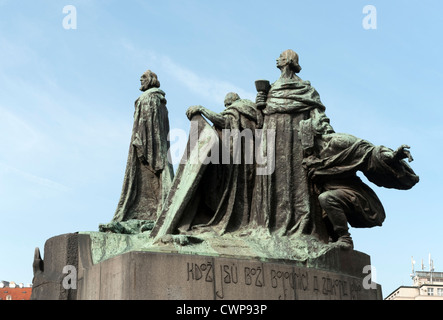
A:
(13, 291)
(427, 285)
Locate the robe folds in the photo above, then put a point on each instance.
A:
(149, 172)
(215, 195)
(338, 172)
(282, 201)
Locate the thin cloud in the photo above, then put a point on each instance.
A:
(34, 179)
(214, 89)
(209, 88)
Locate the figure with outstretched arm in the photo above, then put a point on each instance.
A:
(232, 102)
(223, 187)
(333, 159)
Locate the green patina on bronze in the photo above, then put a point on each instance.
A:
(305, 250)
(293, 201)
(148, 174)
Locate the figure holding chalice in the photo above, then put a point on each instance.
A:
(262, 87)
(282, 202)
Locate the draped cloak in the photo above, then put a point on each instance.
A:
(215, 196)
(149, 173)
(338, 172)
(282, 201)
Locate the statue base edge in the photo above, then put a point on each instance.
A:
(144, 275)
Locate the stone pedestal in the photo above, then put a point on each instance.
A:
(136, 275)
(49, 273)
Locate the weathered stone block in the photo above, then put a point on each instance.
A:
(59, 252)
(147, 275)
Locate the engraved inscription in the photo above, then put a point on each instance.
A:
(254, 276)
(229, 273)
(200, 271)
(283, 283)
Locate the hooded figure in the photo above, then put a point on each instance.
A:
(214, 196)
(333, 159)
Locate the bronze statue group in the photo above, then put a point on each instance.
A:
(312, 189)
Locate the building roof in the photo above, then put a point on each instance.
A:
(418, 288)
(429, 273)
(15, 293)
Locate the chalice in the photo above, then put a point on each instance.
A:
(263, 87)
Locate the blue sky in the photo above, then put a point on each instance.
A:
(67, 101)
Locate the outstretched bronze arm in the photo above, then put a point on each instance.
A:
(217, 119)
(401, 153)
